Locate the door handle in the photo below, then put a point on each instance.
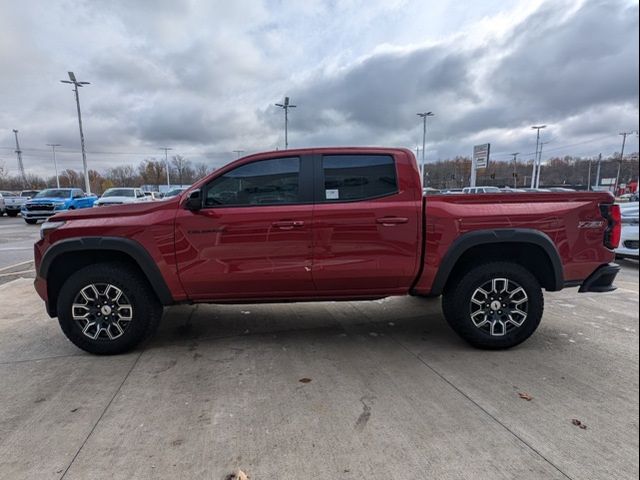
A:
(288, 224)
(391, 221)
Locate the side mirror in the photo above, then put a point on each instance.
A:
(194, 202)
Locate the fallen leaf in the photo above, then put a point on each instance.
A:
(578, 423)
(525, 396)
(237, 475)
(304, 380)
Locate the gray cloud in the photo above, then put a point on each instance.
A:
(202, 77)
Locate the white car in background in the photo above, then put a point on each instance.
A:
(119, 196)
(630, 231)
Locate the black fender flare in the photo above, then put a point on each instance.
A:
(501, 235)
(124, 245)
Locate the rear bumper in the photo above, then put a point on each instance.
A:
(601, 280)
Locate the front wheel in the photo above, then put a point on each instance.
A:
(107, 308)
(494, 305)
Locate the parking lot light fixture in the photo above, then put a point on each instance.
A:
(535, 158)
(55, 164)
(76, 84)
(166, 162)
(424, 116)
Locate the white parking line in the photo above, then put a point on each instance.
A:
(8, 249)
(15, 265)
(9, 274)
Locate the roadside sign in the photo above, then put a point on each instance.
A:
(481, 156)
(608, 181)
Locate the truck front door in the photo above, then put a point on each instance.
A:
(252, 238)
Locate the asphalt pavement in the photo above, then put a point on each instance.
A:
(333, 390)
(16, 241)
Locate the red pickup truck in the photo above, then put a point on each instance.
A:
(323, 224)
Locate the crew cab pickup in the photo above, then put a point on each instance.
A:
(53, 200)
(323, 224)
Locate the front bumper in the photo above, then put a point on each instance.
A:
(601, 280)
(13, 208)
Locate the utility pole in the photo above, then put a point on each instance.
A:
(539, 164)
(286, 106)
(515, 169)
(20, 164)
(589, 177)
(238, 152)
(624, 140)
(55, 164)
(598, 170)
(76, 84)
(535, 159)
(166, 162)
(424, 116)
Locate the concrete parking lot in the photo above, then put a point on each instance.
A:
(353, 390)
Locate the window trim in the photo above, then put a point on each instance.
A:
(305, 180)
(319, 197)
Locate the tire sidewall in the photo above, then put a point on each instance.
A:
(134, 289)
(458, 313)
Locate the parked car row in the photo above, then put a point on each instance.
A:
(629, 241)
(36, 205)
(490, 189)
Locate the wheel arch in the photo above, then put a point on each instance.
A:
(532, 249)
(68, 256)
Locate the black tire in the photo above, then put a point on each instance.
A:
(145, 309)
(31, 221)
(12, 214)
(500, 332)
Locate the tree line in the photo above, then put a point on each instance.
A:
(556, 171)
(148, 172)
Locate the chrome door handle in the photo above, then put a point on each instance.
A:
(288, 224)
(391, 221)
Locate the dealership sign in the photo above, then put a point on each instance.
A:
(481, 156)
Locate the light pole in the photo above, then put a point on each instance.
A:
(539, 164)
(624, 140)
(166, 162)
(535, 159)
(20, 164)
(424, 116)
(286, 106)
(515, 169)
(55, 164)
(238, 152)
(76, 84)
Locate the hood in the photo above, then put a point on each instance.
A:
(105, 211)
(47, 200)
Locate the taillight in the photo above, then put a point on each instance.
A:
(614, 225)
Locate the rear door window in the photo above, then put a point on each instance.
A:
(357, 177)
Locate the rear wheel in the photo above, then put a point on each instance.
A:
(494, 305)
(107, 308)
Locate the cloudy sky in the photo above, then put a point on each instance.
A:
(202, 76)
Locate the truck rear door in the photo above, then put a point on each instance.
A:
(366, 223)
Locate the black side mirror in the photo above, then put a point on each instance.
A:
(194, 202)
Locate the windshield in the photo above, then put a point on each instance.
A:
(119, 192)
(54, 193)
(174, 192)
(29, 193)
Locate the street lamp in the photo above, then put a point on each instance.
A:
(286, 106)
(535, 159)
(55, 164)
(76, 84)
(166, 162)
(539, 164)
(515, 169)
(424, 116)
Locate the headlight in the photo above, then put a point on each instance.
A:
(48, 227)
